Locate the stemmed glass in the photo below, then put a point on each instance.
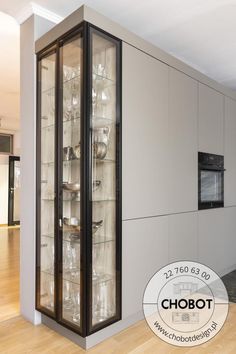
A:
(102, 300)
(67, 296)
(76, 305)
(50, 293)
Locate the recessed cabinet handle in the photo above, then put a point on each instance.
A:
(60, 222)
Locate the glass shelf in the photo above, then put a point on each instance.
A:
(103, 200)
(48, 272)
(52, 88)
(48, 163)
(94, 200)
(68, 162)
(97, 239)
(76, 77)
(45, 127)
(106, 82)
(100, 122)
(102, 278)
(49, 91)
(71, 120)
(69, 276)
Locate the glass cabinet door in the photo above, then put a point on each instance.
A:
(104, 132)
(71, 82)
(79, 180)
(46, 183)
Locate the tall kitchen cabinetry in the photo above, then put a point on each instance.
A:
(78, 180)
(210, 120)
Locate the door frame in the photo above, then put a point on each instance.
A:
(11, 176)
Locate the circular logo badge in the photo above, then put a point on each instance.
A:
(185, 303)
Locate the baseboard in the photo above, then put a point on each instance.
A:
(95, 338)
(110, 331)
(227, 270)
(77, 339)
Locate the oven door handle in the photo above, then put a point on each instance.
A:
(213, 168)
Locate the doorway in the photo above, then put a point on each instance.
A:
(14, 191)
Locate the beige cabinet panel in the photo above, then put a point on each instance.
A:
(217, 241)
(183, 237)
(211, 238)
(211, 120)
(145, 135)
(229, 239)
(144, 251)
(182, 142)
(230, 152)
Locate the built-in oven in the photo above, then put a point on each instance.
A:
(210, 181)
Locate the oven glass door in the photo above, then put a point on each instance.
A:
(211, 186)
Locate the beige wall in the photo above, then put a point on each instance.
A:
(30, 30)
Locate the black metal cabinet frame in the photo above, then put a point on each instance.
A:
(84, 30)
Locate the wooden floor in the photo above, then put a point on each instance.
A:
(18, 336)
(9, 273)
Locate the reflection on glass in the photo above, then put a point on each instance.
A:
(104, 170)
(71, 83)
(47, 181)
(211, 186)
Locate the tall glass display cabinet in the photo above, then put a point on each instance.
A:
(78, 266)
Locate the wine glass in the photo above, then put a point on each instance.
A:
(76, 305)
(67, 296)
(50, 293)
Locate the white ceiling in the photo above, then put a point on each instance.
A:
(199, 32)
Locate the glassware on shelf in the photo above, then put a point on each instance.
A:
(71, 258)
(77, 151)
(74, 224)
(72, 221)
(75, 187)
(70, 73)
(101, 135)
(51, 293)
(99, 150)
(68, 153)
(47, 291)
(75, 94)
(71, 302)
(94, 102)
(71, 187)
(103, 100)
(76, 305)
(96, 226)
(47, 254)
(99, 70)
(67, 296)
(100, 142)
(103, 300)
